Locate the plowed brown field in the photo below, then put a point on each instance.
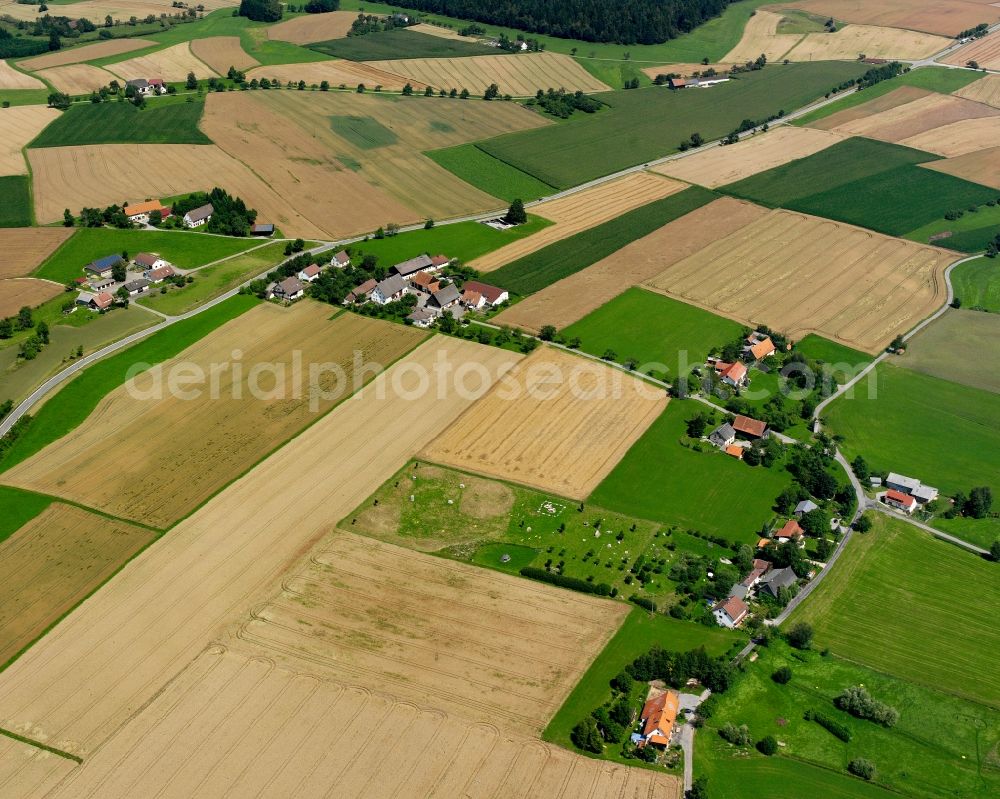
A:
(760, 36)
(116, 652)
(76, 79)
(894, 99)
(801, 274)
(52, 563)
(581, 211)
(958, 138)
(223, 52)
(943, 17)
(232, 723)
(171, 64)
(985, 52)
(18, 126)
(721, 165)
(573, 297)
(20, 291)
(313, 27)
(985, 90)
(916, 117)
(518, 75)
(558, 422)
(982, 166)
(10, 78)
(88, 52)
(337, 73)
(156, 459)
(26, 247)
(872, 40)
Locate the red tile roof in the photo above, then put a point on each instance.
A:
(491, 293)
(792, 529)
(735, 451)
(752, 427)
(734, 371)
(900, 497)
(659, 714)
(762, 348)
(735, 608)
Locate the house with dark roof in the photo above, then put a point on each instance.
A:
(289, 289)
(723, 436)
(408, 268)
(492, 295)
(389, 290)
(139, 85)
(444, 298)
(776, 579)
(421, 317)
(361, 293)
(262, 229)
(137, 286)
(197, 217)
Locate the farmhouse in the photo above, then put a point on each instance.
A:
(361, 293)
(750, 428)
(149, 260)
(421, 263)
(159, 274)
(422, 317)
(910, 485)
(444, 298)
(309, 274)
(732, 374)
(422, 281)
(473, 300)
(723, 436)
(701, 82)
(805, 506)
(262, 229)
(492, 296)
(389, 290)
(758, 347)
(438, 261)
(139, 213)
(900, 501)
(157, 85)
(140, 86)
(85, 298)
(791, 531)
(102, 267)
(776, 579)
(290, 289)
(730, 612)
(658, 717)
(341, 259)
(99, 302)
(197, 217)
(137, 286)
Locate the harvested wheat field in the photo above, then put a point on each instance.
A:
(17, 292)
(985, 52)
(887, 102)
(985, 90)
(958, 138)
(313, 27)
(97, 10)
(337, 73)
(52, 563)
(369, 147)
(18, 126)
(10, 78)
(115, 652)
(570, 299)
(872, 40)
(88, 52)
(101, 174)
(24, 248)
(558, 422)
(943, 17)
(720, 166)
(74, 79)
(581, 211)
(802, 274)
(441, 33)
(171, 64)
(315, 737)
(518, 75)
(159, 457)
(916, 117)
(982, 166)
(685, 70)
(761, 36)
(27, 772)
(223, 52)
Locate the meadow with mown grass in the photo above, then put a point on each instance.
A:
(977, 284)
(480, 169)
(163, 121)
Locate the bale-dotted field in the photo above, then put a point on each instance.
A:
(558, 422)
(943, 17)
(760, 36)
(336, 73)
(570, 299)
(872, 40)
(985, 90)
(518, 75)
(981, 166)
(74, 79)
(154, 454)
(313, 27)
(10, 78)
(582, 211)
(26, 247)
(887, 102)
(720, 166)
(17, 292)
(53, 562)
(916, 117)
(801, 274)
(223, 52)
(18, 126)
(27, 772)
(958, 138)
(985, 52)
(171, 64)
(232, 723)
(115, 652)
(88, 52)
(102, 174)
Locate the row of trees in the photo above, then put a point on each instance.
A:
(271, 10)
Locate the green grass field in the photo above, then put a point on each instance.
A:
(15, 201)
(639, 633)
(24, 96)
(364, 132)
(120, 123)
(72, 404)
(185, 249)
(820, 349)
(657, 331)
(910, 757)
(977, 284)
(913, 607)
(400, 43)
(934, 79)
(864, 182)
(645, 124)
(708, 491)
(969, 233)
(563, 258)
(18, 507)
(489, 174)
(961, 347)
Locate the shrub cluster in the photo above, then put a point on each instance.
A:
(841, 731)
(576, 584)
(861, 704)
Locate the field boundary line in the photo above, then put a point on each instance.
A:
(39, 745)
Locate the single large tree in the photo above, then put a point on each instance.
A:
(516, 215)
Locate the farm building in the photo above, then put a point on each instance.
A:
(723, 436)
(140, 86)
(389, 290)
(750, 428)
(805, 506)
(444, 298)
(422, 263)
(102, 267)
(758, 347)
(701, 82)
(262, 229)
(732, 374)
(137, 286)
(735, 451)
(361, 293)
(341, 259)
(99, 302)
(159, 274)
(776, 579)
(492, 296)
(139, 213)
(658, 717)
(473, 300)
(290, 289)
(910, 485)
(197, 217)
(423, 281)
(309, 274)
(157, 85)
(900, 501)
(791, 531)
(149, 260)
(422, 317)
(730, 612)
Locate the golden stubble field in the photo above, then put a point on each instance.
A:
(985, 90)
(26, 247)
(87, 52)
(77, 78)
(894, 99)
(337, 73)
(10, 78)
(570, 299)
(943, 17)
(17, 292)
(116, 652)
(802, 274)
(760, 36)
(558, 422)
(171, 64)
(27, 772)
(97, 10)
(18, 126)
(313, 27)
(581, 211)
(874, 41)
(981, 166)
(53, 562)
(985, 52)
(223, 52)
(128, 460)
(958, 138)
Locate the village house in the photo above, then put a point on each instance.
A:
(750, 428)
(732, 374)
(289, 289)
(742, 589)
(341, 259)
(159, 274)
(658, 717)
(422, 317)
(776, 579)
(805, 506)
(491, 295)
(138, 214)
(309, 274)
(900, 501)
(910, 485)
(791, 531)
(141, 86)
(137, 286)
(389, 290)
(758, 347)
(197, 217)
(103, 267)
(99, 302)
(157, 85)
(723, 436)
(730, 612)
(445, 298)
(262, 229)
(149, 260)
(439, 261)
(473, 300)
(361, 293)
